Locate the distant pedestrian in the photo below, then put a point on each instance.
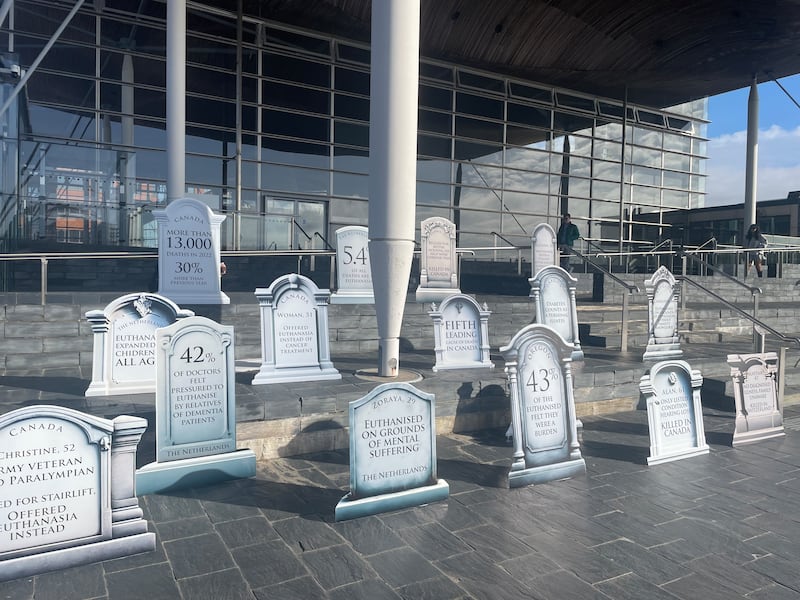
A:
(755, 242)
(567, 234)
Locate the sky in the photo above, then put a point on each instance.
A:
(778, 143)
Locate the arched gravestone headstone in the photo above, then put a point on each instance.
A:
(438, 276)
(553, 293)
(67, 492)
(294, 332)
(544, 249)
(353, 271)
(662, 303)
(124, 350)
(461, 333)
(189, 253)
(759, 411)
(539, 371)
(674, 411)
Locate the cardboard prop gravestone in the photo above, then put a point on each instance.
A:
(294, 332)
(195, 410)
(188, 253)
(438, 275)
(759, 411)
(544, 248)
(674, 411)
(461, 333)
(545, 434)
(662, 304)
(553, 293)
(353, 271)
(392, 452)
(124, 350)
(67, 493)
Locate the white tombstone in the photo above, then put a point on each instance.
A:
(67, 494)
(195, 410)
(553, 293)
(461, 333)
(545, 433)
(544, 248)
(759, 411)
(674, 411)
(189, 253)
(662, 304)
(353, 271)
(294, 332)
(392, 452)
(438, 275)
(124, 345)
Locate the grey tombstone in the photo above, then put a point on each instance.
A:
(674, 411)
(195, 410)
(353, 271)
(662, 303)
(544, 248)
(759, 410)
(553, 293)
(189, 253)
(124, 345)
(438, 276)
(294, 332)
(461, 333)
(545, 433)
(392, 452)
(67, 494)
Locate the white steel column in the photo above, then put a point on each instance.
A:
(393, 159)
(751, 165)
(176, 99)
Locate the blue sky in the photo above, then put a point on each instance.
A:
(778, 143)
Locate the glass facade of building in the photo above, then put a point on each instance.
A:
(277, 124)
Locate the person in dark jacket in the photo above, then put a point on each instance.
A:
(755, 242)
(567, 234)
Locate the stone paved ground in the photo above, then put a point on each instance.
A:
(720, 526)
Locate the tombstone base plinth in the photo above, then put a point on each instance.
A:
(669, 457)
(430, 294)
(658, 352)
(104, 389)
(273, 374)
(545, 473)
(76, 556)
(750, 437)
(187, 473)
(352, 298)
(180, 297)
(352, 509)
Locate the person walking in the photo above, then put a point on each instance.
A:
(566, 236)
(754, 242)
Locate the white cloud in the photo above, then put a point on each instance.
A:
(778, 166)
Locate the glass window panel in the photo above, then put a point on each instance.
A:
(435, 97)
(307, 72)
(647, 137)
(351, 134)
(425, 212)
(579, 187)
(351, 107)
(433, 194)
(292, 39)
(580, 166)
(200, 110)
(525, 158)
(606, 170)
(676, 199)
(576, 102)
(651, 118)
(530, 92)
(482, 176)
(481, 153)
(437, 122)
(59, 123)
(349, 159)
(295, 97)
(291, 125)
(525, 181)
(437, 147)
(476, 221)
(646, 175)
(479, 129)
(212, 53)
(644, 157)
(294, 179)
(678, 162)
(522, 203)
(51, 88)
(580, 146)
(524, 136)
(529, 115)
(607, 130)
(676, 180)
(482, 82)
(353, 186)
(572, 123)
(354, 54)
(680, 143)
(645, 195)
(291, 152)
(605, 190)
(435, 170)
(480, 199)
(348, 211)
(607, 150)
(480, 106)
(351, 80)
(438, 72)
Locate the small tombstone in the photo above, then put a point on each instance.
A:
(759, 411)
(67, 494)
(461, 333)
(124, 350)
(353, 271)
(553, 293)
(545, 434)
(294, 332)
(392, 452)
(195, 410)
(188, 253)
(544, 248)
(438, 277)
(674, 411)
(662, 303)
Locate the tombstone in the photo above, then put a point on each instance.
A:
(294, 332)
(759, 410)
(544, 248)
(545, 433)
(461, 333)
(392, 452)
(67, 493)
(195, 410)
(674, 411)
(124, 346)
(353, 271)
(438, 275)
(662, 320)
(188, 253)
(553, 293)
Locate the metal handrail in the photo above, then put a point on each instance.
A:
(750, 288)
(519, 250)
(667, 242)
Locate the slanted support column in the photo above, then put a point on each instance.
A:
(176, 99)
(393, 157)
(751, 165)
